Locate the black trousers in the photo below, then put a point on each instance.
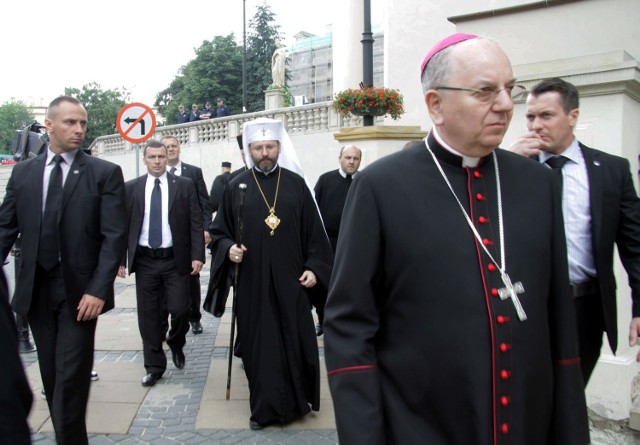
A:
(590, 330)
(65, 355)
(161, 290)
(195, 291)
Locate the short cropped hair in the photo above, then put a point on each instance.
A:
(568, 92)
(153, 143)
(53, 106)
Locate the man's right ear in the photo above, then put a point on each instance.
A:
(433, 99)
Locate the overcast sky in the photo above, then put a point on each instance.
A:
(47, 45)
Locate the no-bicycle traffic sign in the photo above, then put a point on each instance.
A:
(136, 122)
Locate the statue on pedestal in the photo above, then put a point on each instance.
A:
(277, 64)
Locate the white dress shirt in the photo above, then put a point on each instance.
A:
(166, 228)
(576, 209)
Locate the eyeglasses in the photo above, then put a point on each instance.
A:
(489, 94)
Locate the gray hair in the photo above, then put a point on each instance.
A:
(437, 71)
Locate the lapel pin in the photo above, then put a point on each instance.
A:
(75, 172)
(596, 163)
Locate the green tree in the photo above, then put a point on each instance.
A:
(216, 71)
(13, 116)
(261, 43)
(102, 108)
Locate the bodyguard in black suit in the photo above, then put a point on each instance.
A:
(165, 248)
(179, 168)
(71, 249)
(601, 209)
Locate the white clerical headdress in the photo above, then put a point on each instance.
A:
(262, 130)
(265, 129)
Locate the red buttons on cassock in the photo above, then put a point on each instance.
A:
(504, 401)
(504, 347)
(482, 220)
(501, 319)
(487, 242)
(477, 175)
(494, 292)
(504, 428)
(491, 267)
(480, 197)
(504, 374)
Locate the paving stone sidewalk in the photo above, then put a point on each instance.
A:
(187, 406)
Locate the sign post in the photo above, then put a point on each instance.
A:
(136, 123)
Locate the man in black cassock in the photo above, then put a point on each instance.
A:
(449, 319)
(15, 392)
(218, 185)
(284, 255)
(332, 188)
(331, 193)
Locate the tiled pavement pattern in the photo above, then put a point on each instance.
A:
(187, 406)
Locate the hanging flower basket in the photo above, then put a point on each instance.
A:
(368, 111)
(370, 101)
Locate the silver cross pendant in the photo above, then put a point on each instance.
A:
(512, 291)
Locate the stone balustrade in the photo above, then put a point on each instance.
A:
(313, 118)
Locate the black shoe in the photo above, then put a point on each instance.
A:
(178, 358)
(196, 327)
(150, 379)
(255, 425)
(319, 330)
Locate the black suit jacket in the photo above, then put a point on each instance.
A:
(92, 227)
(184, 218)
(615, 219)
(195, 174)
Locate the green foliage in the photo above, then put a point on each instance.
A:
(13, 116)
(288, 97)
(102, 108)
(261, 43)
(215, 72)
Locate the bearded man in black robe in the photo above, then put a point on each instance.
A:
(284, 255)
(449, 319)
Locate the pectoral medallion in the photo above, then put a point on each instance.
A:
(272, 221)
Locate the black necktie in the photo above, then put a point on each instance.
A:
(349, 178)
(155, 217)
(49, 248)
(556, 163)
(172, 171)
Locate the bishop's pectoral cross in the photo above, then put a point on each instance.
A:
(511, 291)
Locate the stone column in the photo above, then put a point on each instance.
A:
(347, 49)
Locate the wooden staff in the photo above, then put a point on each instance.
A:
(239, 221)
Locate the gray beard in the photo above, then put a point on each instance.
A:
(264, 168)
